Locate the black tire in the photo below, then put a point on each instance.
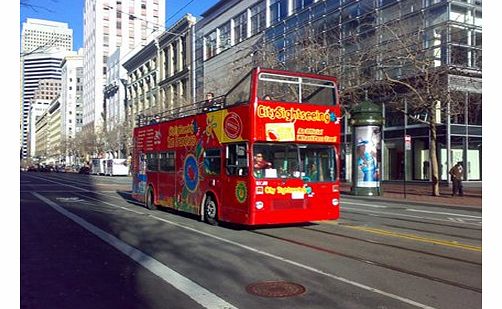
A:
(211, 210)
(149, 199)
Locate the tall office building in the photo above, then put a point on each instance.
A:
(71, 95)
(109, 25)
(39, 35)
(43, 46)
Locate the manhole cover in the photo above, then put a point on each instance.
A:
(346, 224)
(275, 289)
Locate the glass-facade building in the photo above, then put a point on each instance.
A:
(230, 32)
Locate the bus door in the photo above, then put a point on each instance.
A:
(236, 182)
(167, 179)
(211, 167)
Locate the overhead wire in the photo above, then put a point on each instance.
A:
(163, 26)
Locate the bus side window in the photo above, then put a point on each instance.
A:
(152, 163)
(236, 160)
(212, 161)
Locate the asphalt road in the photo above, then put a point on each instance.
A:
(86, 244)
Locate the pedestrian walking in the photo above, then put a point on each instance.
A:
(457, 175)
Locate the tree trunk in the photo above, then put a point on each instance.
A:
(433, 156)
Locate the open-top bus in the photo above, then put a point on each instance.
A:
(205, 162)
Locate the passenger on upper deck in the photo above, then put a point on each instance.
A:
(210, 104)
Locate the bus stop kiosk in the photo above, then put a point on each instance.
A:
(366, 121)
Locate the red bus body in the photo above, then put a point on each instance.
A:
(184, 162)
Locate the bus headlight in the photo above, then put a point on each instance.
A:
(334, 202)
(259, 205)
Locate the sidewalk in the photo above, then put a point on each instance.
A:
(418, 192)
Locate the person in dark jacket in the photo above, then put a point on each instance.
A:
(457, 175)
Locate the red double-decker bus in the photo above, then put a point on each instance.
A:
(267, 152)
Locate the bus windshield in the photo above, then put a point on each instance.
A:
(283, 88)
(315, 163)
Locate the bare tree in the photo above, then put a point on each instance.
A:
(118, 139)
(417, 80)
(350, 60)
(89, 144)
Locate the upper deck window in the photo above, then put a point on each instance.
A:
(296, 89)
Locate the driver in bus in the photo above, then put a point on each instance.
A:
(260, 164)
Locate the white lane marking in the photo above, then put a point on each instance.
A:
(199, 294)
(443, 213)
(116, 206)
(378, 213)
(362, 204)
(414, 210)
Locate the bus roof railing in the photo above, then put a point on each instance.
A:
(181, 111)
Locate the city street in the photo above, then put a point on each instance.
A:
(86, 244)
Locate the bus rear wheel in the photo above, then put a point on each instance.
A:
(149, 199)
(211, 211)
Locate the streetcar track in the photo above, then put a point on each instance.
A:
(393, 246)
(374, 263)
(417, 221)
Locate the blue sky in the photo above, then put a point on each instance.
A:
(70, 12)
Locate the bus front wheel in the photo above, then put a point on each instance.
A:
(211, 211)
(149, 199)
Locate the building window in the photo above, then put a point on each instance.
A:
(459, 56)
(258, 18)
(278, 10)
(475, 115)
(240, 27)
(301, 4)
(459, 35)
(175, 57)
(225, 40)
(210, 44)
(183, 46)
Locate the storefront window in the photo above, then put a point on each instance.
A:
(474, 153)
(457, 150)
(421, 159)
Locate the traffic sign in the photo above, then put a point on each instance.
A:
(407, 142)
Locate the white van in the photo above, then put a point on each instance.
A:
(117, 167)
